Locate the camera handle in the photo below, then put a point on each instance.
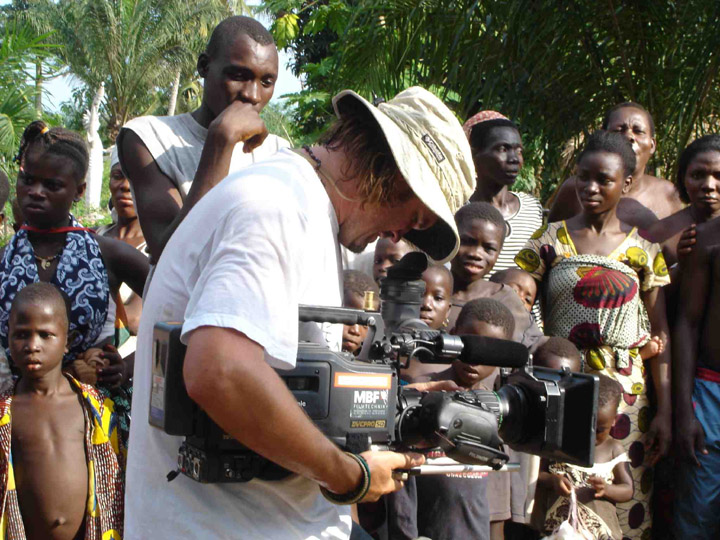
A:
(338, 315)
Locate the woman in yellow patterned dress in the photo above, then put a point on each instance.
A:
(602, 290)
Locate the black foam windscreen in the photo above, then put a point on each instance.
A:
(493, 352)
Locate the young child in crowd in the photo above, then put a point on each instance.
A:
(60, 462)
(557, 353)
(482, 230)
(598, 488)
(490, 318)
(434, 311)
(388, 253)
(482, 317)
(435, 308)
(521, 282)
(453, 506)
(356, 284)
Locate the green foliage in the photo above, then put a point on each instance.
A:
(285, 29)
(20, 45)
(133, 46)
(276, 116)
(554, 67)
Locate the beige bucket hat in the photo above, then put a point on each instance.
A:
(433, 155)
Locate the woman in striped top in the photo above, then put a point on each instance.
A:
(497, 153)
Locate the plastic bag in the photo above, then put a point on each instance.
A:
(572, 528)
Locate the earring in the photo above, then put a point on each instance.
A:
(446, 322)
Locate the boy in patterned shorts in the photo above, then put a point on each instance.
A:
(60, 463)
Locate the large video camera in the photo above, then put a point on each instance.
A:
(357, 402)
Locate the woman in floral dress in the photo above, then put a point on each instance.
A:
(602, 289)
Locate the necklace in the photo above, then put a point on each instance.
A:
(45, 262)
(325, 174)
(317, 161)
(57, 230)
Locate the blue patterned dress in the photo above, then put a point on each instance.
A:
(80, 274)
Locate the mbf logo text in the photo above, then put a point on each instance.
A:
(370, 396)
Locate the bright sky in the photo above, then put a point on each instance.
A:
(61, 88)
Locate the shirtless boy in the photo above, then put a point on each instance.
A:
(650, 199)
(696, 377)
(51, 442)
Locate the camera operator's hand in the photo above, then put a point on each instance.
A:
(659, 437)
(690, 439)
(382, 465)
(561, 485)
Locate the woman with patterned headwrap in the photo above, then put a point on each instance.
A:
(603, 291)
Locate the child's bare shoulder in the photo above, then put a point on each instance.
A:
(617, 448)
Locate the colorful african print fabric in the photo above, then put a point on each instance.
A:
(104, 511)
(598, 516)
(80, 274)
(594, 301)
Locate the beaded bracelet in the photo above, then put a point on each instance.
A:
(359, 493)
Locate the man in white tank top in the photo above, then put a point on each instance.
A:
(171, 160)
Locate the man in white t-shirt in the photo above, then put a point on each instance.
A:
(173, 160)
(261, 242)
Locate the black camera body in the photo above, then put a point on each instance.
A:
(357, 401)
(353, 403)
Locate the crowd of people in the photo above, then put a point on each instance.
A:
(223, 226)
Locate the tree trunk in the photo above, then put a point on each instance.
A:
(174, 93)
(94, 176)
(38, 88)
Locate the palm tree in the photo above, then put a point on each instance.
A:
(19, 46)
(133, 46)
